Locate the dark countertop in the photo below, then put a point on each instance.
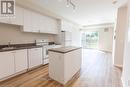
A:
(18, 47)
(65, 49)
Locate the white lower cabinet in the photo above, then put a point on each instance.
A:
(21, 60)
(12, 62)
(7, 65)
(46, 61)
(34, 57)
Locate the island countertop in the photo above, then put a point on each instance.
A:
(65, 49)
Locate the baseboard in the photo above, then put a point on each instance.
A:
(12, 76)
(19, 73)
(120, 66)
(105, 51)
(122, 82)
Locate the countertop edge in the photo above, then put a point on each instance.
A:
(20, 48)
(66, 51)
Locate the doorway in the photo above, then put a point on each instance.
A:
(90, 39)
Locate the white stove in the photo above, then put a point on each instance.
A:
(45, 44)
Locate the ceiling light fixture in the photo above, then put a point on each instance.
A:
(67, 5)
(114, 1)
(70, 3)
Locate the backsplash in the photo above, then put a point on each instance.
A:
(13, 34)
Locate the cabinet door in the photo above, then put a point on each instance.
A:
(66, 26)
(34, 17)
(18, 19)
(27, 21)
(43, 24)
(21, 60)
(6, 64)
(35, 29)
(27, 28)
(53, 28)
(27, 17)
(35, 22)
(35, 57)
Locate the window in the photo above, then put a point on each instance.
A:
(90, 40)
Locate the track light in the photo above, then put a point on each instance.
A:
(67, 5)
(114, 1)
(70, 3)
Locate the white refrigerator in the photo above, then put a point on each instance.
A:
(66, 38)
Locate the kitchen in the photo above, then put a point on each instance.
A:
(27, 39)
(41, 48)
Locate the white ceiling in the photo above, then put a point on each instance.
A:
(87, 12)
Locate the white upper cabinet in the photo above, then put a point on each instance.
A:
(66, 26)
(17, 19)
(36, 22)
(32, 21)
(48, 25)
(27, 21)
(27, 17)
(53, 26)
(44, 24)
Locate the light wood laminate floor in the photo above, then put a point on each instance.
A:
(97, 71)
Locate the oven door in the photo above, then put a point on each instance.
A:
(45, 55)
(45, 52)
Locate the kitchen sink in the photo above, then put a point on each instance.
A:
(8, 48)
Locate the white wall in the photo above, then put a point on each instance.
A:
(105, 38)
(76, 36)
(13, 34)
(120, 36)
(126, 65)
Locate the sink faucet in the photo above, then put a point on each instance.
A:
(9, 44)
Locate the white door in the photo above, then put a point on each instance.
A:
(6, 64)
(21, 60)
(35, 57)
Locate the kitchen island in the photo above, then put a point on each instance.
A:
(64, 63)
